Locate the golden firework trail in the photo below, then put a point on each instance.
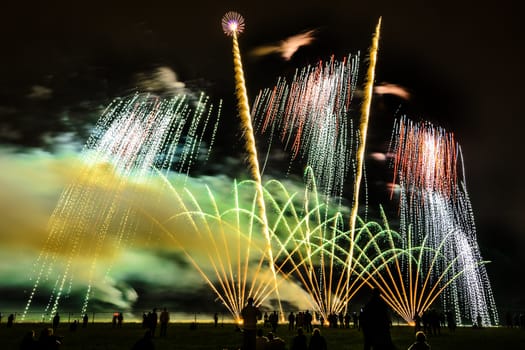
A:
(233, 24)
(363, 127)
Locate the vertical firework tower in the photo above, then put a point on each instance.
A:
(232, 25)
(436, 212)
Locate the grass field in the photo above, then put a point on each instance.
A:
(102, 336)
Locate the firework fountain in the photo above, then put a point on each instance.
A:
(134, 136)
(436, 213)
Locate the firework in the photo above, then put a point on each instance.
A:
(133, 136)
(435, 209)
(311, 116)
(363, 126)
(232, 23)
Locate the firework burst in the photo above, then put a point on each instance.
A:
(232, 23)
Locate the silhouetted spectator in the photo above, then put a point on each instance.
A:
(144, 343)
(508, 319)
(420, 343)
(347, 319)
(10, 320)
(250, 315)
(375, 322)
(417, 322)
(260, 340)
(307, 320)
(215, 319)
(29, 342)
(56, 321)
(266, 320)
(73, 326)
(291, 321)
(152, 321)
(164, 319)
(48, 340)
(317, 341)
(274, 321)
(451, 321)
(120, 319)
(299, 342)
(435, 322)
(114, 320)
(355, 319)
(275, 343)
(85, 321)
(145, 320)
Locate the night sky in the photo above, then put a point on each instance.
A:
(62, 62)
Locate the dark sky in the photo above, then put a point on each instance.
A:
(462, 62)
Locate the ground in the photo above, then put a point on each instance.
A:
(181, 337)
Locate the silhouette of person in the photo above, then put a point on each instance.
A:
(266, 320)
(299, 342)
(451, 321)
(85, 321)
(274, 321)
(73, 326)
(152, 322)
(144, 343)
(375, 322)
(29, 342)
(56, 321)
(260, 340)
(275, 343)
(291, 321)
(164, 319)
(250, 315)
(48, 340)
(420, 343)
(317, 341)
(215, 319)
(417, 322)
(307, 320)
(10, 320)
(120, 319)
